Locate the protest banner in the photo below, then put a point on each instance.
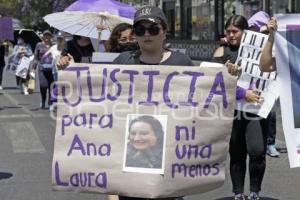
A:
(251, 77)
(101, 109)
(287, 51)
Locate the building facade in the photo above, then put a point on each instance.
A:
(197, 25)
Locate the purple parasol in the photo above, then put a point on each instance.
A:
(6, 28)
(259, 19)
(111, 6)
(83, 17)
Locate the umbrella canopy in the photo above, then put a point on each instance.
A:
(29, 36)
(6, 28)
(17, 24)
(82, 17)
(112, 7)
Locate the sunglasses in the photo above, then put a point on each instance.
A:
(140, 30)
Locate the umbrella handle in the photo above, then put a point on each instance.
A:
(99, 34)
(98, 40)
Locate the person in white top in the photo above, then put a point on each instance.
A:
(56, 52)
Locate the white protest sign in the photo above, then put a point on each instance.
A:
(211, 64)
(23, 66)
(252, 78)
(287, 51)
(12, 64)
(142, 131)
(106, 57)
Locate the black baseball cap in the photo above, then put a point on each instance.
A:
(150, 13)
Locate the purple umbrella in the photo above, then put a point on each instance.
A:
(111, 6)
(83, 16)
(6, 28)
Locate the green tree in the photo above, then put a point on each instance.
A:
(31, 12)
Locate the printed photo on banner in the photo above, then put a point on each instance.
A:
(145, 143)
(293, 32)
(253, 78)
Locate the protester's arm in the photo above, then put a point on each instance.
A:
(65, 61)
(112, 197)
(267, 61)
(36, 56)
(218, 55)
(219, 52)
(36, 51)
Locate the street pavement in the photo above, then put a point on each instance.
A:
(26, 149)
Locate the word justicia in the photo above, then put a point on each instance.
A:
(125, 84)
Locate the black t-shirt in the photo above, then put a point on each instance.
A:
(132, 58)
(81, 54)
(2, 55)
(230, 53)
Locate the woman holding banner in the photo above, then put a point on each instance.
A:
(243, 142)
(150, 29)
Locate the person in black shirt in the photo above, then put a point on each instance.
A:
(2, 62)
(243, 142)
(80, 48)
(121, 39)
(150, 31)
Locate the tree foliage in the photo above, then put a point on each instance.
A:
(31, 12)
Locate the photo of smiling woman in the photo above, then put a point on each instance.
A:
(145, 141)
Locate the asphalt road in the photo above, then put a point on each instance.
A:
(26, 148)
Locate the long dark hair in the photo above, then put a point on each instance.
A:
(155, 125)
(238, 21)
(112, 43)
(151, 157)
